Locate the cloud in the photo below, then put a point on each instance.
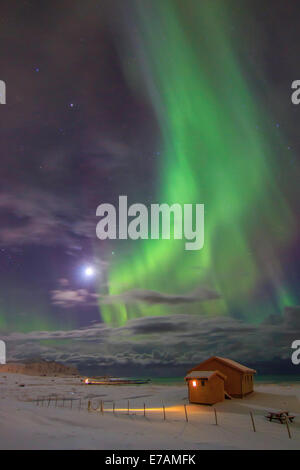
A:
(39, 218)
(167, 342)
(68, 298)
(154, 297)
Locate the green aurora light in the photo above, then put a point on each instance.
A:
(217, 150)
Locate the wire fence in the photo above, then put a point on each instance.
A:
(182, 412)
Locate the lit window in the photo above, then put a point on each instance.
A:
(194, 383)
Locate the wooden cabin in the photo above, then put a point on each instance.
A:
(239, 378)
(205, 387)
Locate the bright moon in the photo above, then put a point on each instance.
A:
(89, 271)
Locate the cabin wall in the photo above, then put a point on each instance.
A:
(237, 383)
(233, 383)
(247, 383)
(211, 392)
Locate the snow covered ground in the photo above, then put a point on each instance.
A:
(65, 422)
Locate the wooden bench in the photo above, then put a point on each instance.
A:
(281, 416)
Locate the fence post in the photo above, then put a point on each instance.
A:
(186, 415)
(114, 405)
(288, 426)
(164, 412)
(144, 409)
(101, 407)
(89, 405)
(128, 408)
(216, 418)
(252, 419)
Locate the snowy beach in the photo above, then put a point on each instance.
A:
(52, 413)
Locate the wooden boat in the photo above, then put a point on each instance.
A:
(116, 381)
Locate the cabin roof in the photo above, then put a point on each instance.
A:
(229, 362)
(204, 374)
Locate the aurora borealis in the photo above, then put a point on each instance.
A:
(214, 152)
(164, 102)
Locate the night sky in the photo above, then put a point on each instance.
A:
(165, 102)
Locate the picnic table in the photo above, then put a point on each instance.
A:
(281, 416)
